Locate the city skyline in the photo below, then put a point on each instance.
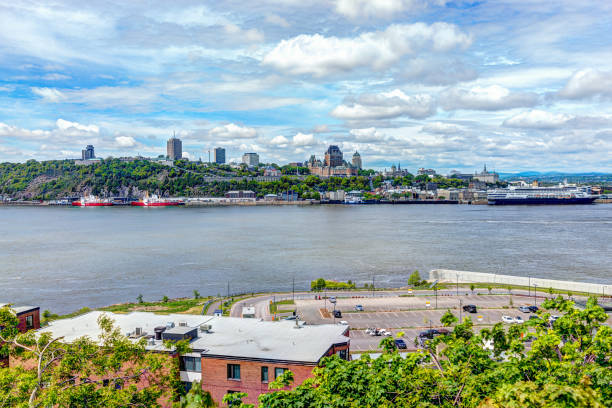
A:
(436, 84)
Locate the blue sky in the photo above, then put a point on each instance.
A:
(517, 84)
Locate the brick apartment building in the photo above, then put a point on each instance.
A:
(228, 354)
(29, 317)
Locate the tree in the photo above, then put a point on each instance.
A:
(448, 318)
(415, 279)
(318, 284)
(110, 371)
(139, 298)
(197, 398)
(165, 299)
(575, 372)
(472, 287)
(196, 294)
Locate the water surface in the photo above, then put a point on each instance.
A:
(66, 258)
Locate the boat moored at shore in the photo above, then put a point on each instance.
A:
(92, 201)
(563, 194)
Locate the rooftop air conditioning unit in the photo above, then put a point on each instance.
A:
(205, 328)
(138, 331)
(182, 324)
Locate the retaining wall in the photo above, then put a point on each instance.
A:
(449, 275)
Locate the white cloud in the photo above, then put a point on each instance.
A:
(125, 141)
(587, 83)
(537, 119)
(250, 35)
(386, 105)
(48, 94)
(492, 97)
(319, 56)
(74, 126)
(277, 20)
(232, 131)
(367, 135)
(372, 8)
(441, 128)
(320, 129)
(301, 139)
(55, 77)
(279, 140)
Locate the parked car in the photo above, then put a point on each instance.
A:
(525, 309)
(359, 308)
(518, 319)
(337, 314)
(507, 319)
(535, 317)
(470, 308)
(344, 322)
(533, 308)
(332, 299)
(431, 333)
(384, 332)
(290, 318)
(373, 332)
(400, 344)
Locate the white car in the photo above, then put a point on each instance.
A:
(518, 319)
(507, 319)
(385, 333)
(344, 322)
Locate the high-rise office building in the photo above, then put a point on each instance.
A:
(88, 153)
(174, 148)
(250, 159)
(219, 155)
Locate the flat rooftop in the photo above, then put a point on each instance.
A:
(228, 336)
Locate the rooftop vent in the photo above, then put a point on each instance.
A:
(170, 325)
(138, 331)
(182, 324)
(206, 328)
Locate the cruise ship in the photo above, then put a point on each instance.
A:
(533, 195)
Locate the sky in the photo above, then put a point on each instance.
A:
(516, 84)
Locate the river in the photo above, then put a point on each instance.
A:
(62, 259)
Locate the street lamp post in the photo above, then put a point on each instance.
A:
(535, 299)
(460, 309)
(529, 285)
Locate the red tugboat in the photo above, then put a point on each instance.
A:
(92, 201)
(155, 201)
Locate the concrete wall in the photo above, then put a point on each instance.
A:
(449, 275)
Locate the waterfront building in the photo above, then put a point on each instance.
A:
(357, 161)
(333, 166)
(88, 153)
(228, 354)
(174, 148)
(250, 159)
(219, 155)
(486, 177)
(241, 195)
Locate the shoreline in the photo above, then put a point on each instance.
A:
(284, 203)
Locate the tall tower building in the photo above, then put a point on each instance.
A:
(88, 153)
(333, 156)
(174, 148)
(250, 159)
(219, 155)
(357, 160)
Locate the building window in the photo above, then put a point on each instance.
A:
(279, 371)
(29, 322)
(187, 385)
(342, 354)
(233, 371)
(264, 374)
(191, 364)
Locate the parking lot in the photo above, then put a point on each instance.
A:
(409, 315)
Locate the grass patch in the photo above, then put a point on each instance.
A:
(182, 305)
(274, 307)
